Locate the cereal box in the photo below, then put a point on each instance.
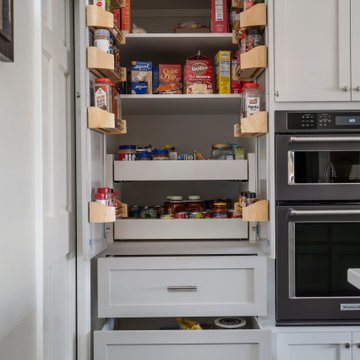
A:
(125, 17)
(141, 71)
(219, 16)
(169, 74)
(223, 75)
(117, 17)
(198, 75)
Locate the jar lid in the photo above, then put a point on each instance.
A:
(100, 196)
(230, 323)
(194, 197)
(143, 155)
(169, 147)
(222, 146)
(250, 84)
(160, 152)
(219, 204)
(176, 198)
(113, 84)
(102, 32)
(105, 190)
(103, 80)
(127, 147)
(115, 193)
(243, 35)
(237, 52)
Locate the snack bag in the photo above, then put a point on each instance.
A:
(141, 71)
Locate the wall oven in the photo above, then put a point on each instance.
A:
(317, 217)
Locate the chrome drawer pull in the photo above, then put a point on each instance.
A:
(327, 139)
(323, 212)
(189, 288)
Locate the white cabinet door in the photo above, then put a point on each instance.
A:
(355, 49)
(312, 50)
(314, 346)
(356, 346)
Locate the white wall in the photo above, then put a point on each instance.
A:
(17, 199)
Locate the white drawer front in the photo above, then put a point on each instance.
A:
(180, 345)
(182, 286)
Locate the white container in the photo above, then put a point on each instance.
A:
(102, 40)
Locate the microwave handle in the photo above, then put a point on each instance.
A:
(294, 212)
(309, 139)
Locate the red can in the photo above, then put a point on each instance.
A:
(207, 214)
(181, 215)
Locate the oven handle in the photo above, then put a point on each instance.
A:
(305, 139)
(294, 212)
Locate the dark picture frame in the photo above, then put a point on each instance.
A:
(7, 30)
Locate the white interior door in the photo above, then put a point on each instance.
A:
(312, 50)
(58, 147)
(355, 49)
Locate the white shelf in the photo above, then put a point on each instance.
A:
(173, 170)
(157, 229)
(181, 104)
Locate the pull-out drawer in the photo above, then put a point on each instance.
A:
(182, 286)
(249, 344)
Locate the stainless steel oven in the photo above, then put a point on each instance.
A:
(316, 245)
(317, 156)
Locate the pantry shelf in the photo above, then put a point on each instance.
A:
(102, 64)
(104, 122)
(99, 213)
(158, 229)
(177, 170)
(257, 212)
(252, 126)
(253, 63)
(181, 104)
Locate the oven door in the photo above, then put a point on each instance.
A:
(324, 167)
(316, 245)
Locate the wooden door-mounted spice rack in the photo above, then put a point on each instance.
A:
(252, 126)
(253, 63)
(99, 213)
(257, 212)
(104, 122)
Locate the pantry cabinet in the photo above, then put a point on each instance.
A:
(314, 50)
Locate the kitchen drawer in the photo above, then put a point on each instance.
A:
(247, 344)
(182, 286)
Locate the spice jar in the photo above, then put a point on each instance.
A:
(243, 43)
(103, 94)
(102, 199)
(102, 4)
(114, 100)
(107, 192)
(143, 157)
(222, 152)
(102, 39)
(160, 155)
(176, 205)
(250, 99)
(172, 152)
(194, 204)
(219, 210)
(127, 152)
(234, 18)
(247, 4)
(253, 39)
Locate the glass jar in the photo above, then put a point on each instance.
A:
(143, 157)
(253, 39)
(219, 210)
(114, 100)
(194, 204)
(250, 99)
(127, 153)
(160, 155)
(222, 152)
(102, 4)
(176, 205)
(243, 43)
(234, 19)
(103, 94)
(102, 39)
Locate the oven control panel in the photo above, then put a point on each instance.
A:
(323, 121)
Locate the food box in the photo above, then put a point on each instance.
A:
(198, 75)
(169, 74)
(141, 71)
(117, 17)
(219, 16)
(223, 73)
(139, 88)
(155, 78)
(125, 17)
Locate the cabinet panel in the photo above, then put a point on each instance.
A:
(312, 50)
(356, 346)
(314, 346)
(355, 49)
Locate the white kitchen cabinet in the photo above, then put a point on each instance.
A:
(313, 50)
(314, 346)
(356, 346)
(355, 49)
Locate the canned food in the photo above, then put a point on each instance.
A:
(207, 214)
(196, 215)
(167, 217)
(181, 215)
(151, 213)
(134, 211)
(143, 212)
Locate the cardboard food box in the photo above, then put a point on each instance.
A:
(169, 74)
(141, 71)
(125, 17)
(198, 75)
(219, 16)
(223, 73)
(117, 18)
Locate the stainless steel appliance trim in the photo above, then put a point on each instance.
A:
(303, 139)
(191, 288)
(294, 212)
(291, 167)
(291, 238)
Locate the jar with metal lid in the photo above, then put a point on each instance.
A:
(127, 153)
(172, 152)
(194, 204)
(250, 99)
(253, 39)
(103, 94)
(102, 39)
(223, 152)
(176, 205)
(143, 157)
(160, 155)
(219, 210)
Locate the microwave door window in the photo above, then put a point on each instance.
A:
(327, 167)
(323, 254)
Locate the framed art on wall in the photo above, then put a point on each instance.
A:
(6, 30)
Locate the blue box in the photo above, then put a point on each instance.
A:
(155, 78)
(139, 88)
(141, 66)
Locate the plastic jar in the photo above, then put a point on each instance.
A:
(250, 99)
(172, 152)
(114, 100)
(222, 152)
(253, 39)
(194, 204)
(243, 43)
(160, 155)
(102, 199)
(176, 205)
(219, 210)
(234, 18)
(143, 157)
(103, 94)
(107, 192)
(230, 323)
(102, 4)
(127, 153)
(247, 4)
(102, 39)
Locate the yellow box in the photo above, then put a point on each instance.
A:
(223, 72)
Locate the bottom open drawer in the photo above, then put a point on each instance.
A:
(135, 339)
